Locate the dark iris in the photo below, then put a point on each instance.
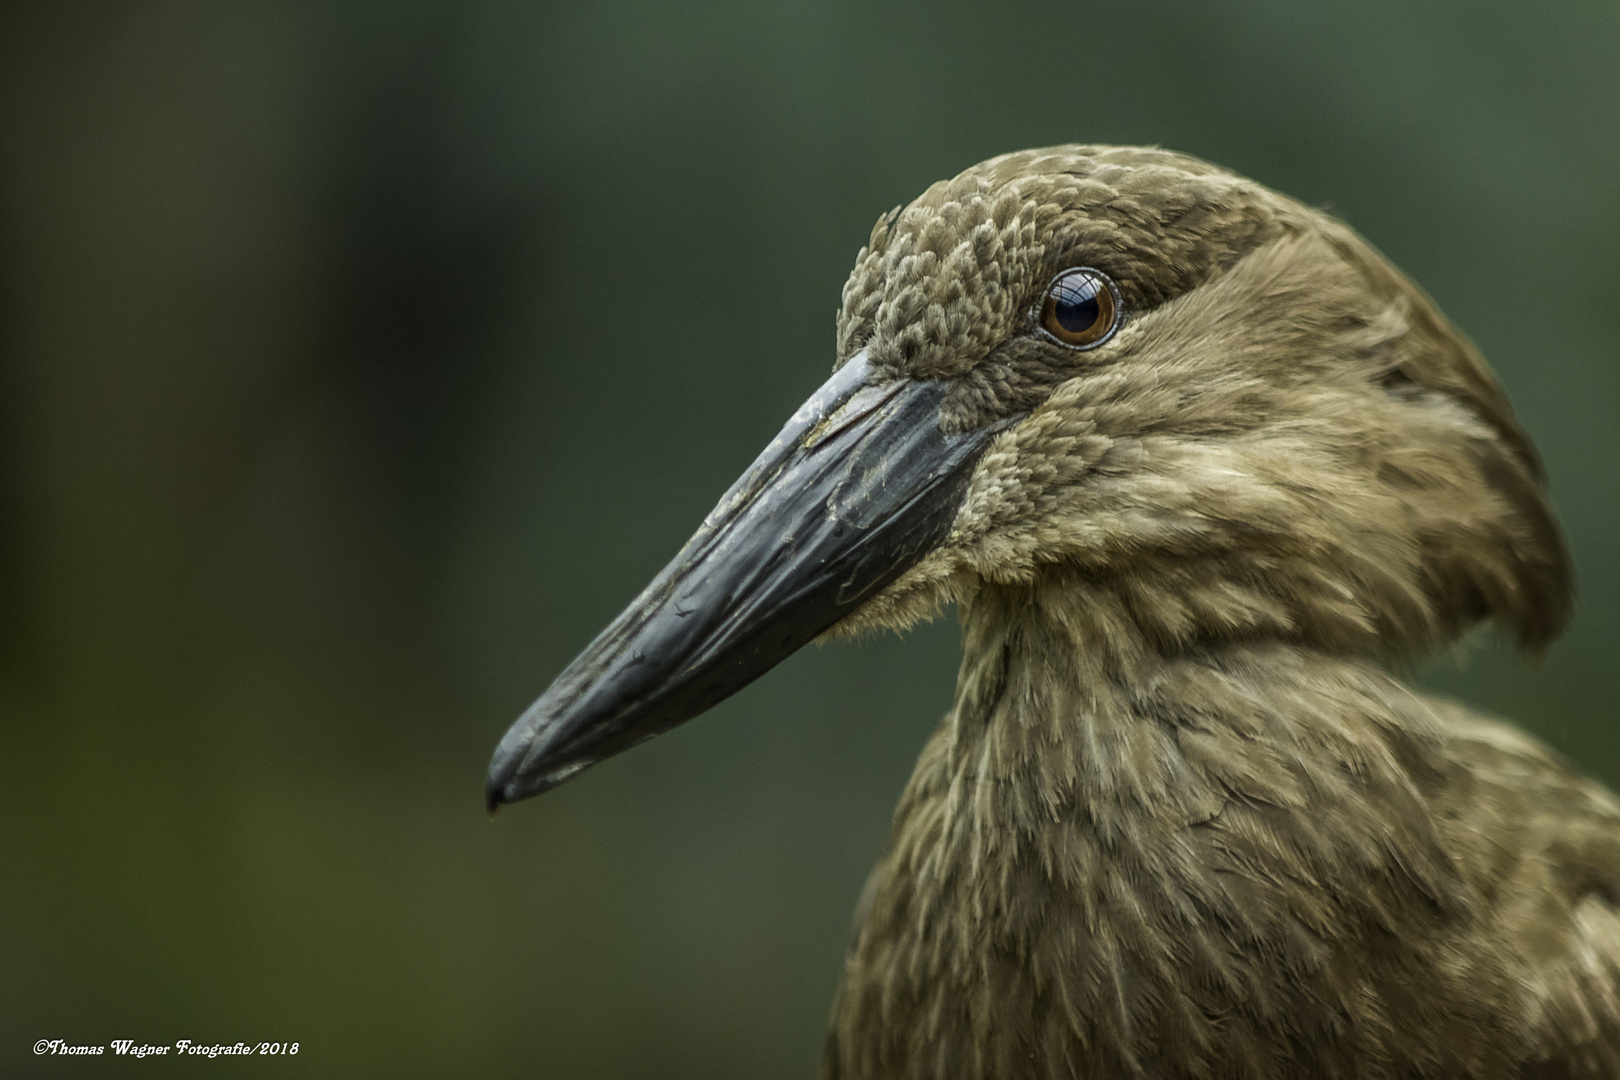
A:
(1080, 307)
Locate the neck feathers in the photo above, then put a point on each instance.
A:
(1109, 854)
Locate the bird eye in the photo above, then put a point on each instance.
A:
(1081, 308)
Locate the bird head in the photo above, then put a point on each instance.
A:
(1119, 372)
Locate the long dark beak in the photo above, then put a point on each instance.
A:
(860, 485)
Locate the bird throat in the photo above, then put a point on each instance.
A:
(1106, 852)
(1060, 718)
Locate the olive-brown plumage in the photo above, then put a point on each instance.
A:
(1184, 818)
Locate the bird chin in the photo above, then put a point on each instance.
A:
(919, 595)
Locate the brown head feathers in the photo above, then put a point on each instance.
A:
(1285, 437)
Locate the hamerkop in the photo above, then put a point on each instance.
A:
(1203, 474)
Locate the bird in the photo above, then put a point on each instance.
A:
(1203, 475)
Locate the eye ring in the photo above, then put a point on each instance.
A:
(1081, 308)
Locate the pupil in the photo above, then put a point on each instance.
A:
(1076, 309)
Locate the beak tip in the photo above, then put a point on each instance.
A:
(501, 785)
(519, 771)
(494, 796)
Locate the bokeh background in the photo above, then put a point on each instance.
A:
(361, 360)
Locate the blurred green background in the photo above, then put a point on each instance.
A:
(361, 360)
